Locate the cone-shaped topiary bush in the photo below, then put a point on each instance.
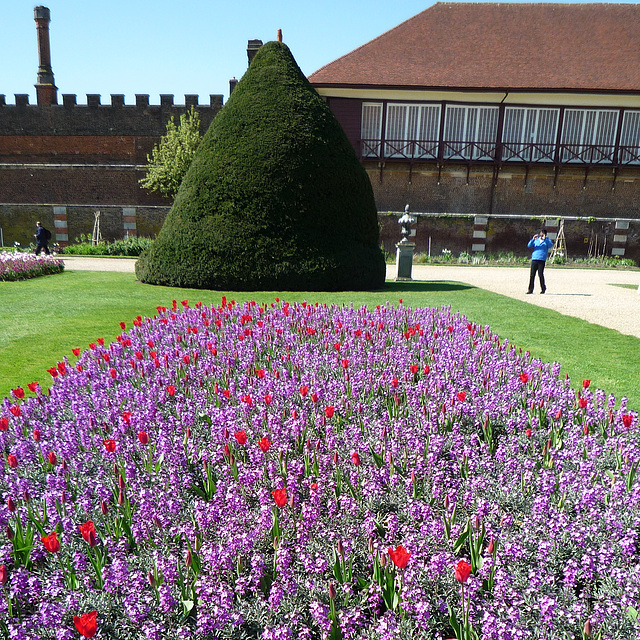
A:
(275, 198)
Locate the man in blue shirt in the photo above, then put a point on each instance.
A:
(540, 245)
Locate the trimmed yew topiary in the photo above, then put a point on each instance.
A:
(275, 198)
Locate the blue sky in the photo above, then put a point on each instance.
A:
(178, 46)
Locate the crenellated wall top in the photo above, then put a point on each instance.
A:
(95, 118)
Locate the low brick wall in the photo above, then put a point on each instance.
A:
(454, 232)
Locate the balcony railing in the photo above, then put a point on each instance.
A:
(524, 153)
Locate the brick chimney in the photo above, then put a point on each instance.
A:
(46, 90)
(252, 49)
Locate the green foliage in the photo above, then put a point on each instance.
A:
(275, 197)
(172, 156)
(130, 246)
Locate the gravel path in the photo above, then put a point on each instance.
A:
(590, 294)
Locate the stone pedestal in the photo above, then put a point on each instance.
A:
(404, 259)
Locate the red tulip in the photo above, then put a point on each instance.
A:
(586, 383)
(314, 397)
(345, 363)
(86, 624)
(528, 433)
(126, 417)
(400, 556)
(123, 326)
(241, 437)
(12, 461)
(4, 424)
(582, 403)
(355, 458)
(524, 378)
(88, 531)
(463, 571)
(113, 373)
(461, 396)
(76, 352)
(18, 393)
(426, 369)
(304, 390)
(52, 458)
(171, 390)
(32, 386)
(268, 398)
(4, 574)
(11, 505)
(627, 418)
(53, 371)
(15, 410)
(328, 411)
(143, 437)
(100, 341)
(313, 486)
(280, 497)
(109, 445)
(36, 435)
(51, 542)
(62, 368)
(264, 444)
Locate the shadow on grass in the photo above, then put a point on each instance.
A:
(422, 286)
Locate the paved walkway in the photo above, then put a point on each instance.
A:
(590, 294)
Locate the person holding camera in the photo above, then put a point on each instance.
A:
(540, 245)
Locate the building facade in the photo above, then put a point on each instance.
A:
(61, 162)
(503, 116)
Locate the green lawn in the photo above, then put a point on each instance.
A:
(42, 319)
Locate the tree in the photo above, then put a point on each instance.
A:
(275, 199)
(172, 156)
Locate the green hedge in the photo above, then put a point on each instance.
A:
(275, 197)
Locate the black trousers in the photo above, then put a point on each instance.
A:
(41, 247)
(537, 266)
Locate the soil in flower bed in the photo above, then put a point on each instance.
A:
(302, 471)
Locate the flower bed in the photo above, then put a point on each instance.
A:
(300, 471)
(20, 266)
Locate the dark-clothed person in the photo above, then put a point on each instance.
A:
(42, 239)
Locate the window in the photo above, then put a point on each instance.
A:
(630, 138)
(371, 129)
(412, 131)
(529, 134)
(470, 132)
(588, 135)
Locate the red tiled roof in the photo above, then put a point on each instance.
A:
(547, 46)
